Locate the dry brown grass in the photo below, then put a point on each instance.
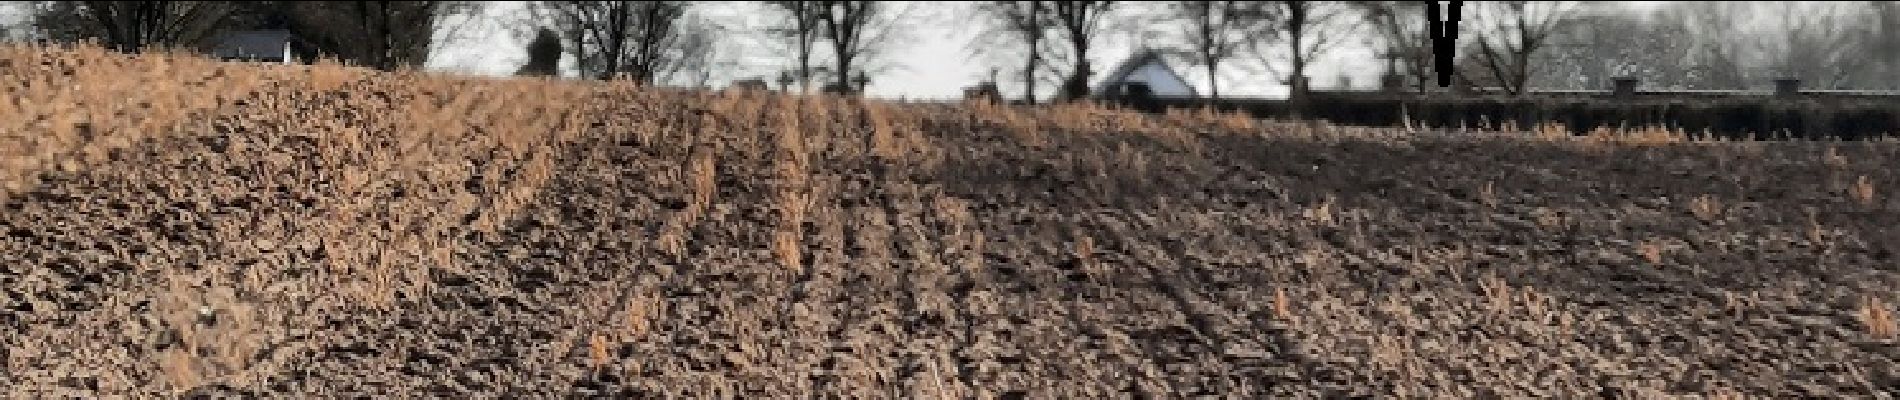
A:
(1085, 252)
(1537, 305)
(1878, 318)
(1863, 191)
(1282, 308)
(1496, 292)
(794, 197)
(1724, 393)
(1657, 135)
(1322, 213)
(1488, 195)
(598, 352)
(1599, 139)
(1651, 252)
(672, 239)
(1816, 234)
(1705, 208)
(1550, 219)
(641, 309)
(705, 177)
(1552, 131)
(387, 181)
(1833, 158)
(885, 140)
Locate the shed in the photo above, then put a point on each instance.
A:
(748, 85)
(1145, 68)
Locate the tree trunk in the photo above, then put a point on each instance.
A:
(615, 42)
(807, 29)
(1029, 74)
(1077, 87)
(644, 63)
(1213, 79)
(1296, 93)
(389, 58)
(370, 38)
(804, 66)
(844, 64)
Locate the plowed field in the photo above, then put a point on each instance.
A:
(180, 227)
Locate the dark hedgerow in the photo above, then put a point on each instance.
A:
(1730, 118)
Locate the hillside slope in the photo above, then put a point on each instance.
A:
(173, 226)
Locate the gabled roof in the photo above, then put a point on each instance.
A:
(252, 44)
(1134, 62)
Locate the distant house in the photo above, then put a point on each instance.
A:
(984, 92)
(748, 85)
(272, 46)
(1145, 69)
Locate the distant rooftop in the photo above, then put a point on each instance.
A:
(268, 45)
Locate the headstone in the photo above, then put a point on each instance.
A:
(1787, 87)
(1392, 82)
(984, 92)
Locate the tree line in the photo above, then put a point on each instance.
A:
(378, 34)
(1037, 47)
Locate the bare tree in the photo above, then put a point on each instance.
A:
(1400, 33)
(1210, 32)
(800, 27)
(697, 55)
(1885, 46)
(385, 35)
(609, 39)
(1611, 41)
(1080, 23)
(1508, 34)
(1714, 50)
(1823, 44)
(1022, 28)
(16, 21)
(1736, 45)
(544, 55)
(131, 26)
(857, 32)
(1299, 32)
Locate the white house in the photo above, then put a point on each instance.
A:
(1145, 67)
(272, 46)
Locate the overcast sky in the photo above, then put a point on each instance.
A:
(933, 59)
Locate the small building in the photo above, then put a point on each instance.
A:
(1146, 68)
(748, 85)
(985, 92)
(268, 46)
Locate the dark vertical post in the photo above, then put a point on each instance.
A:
(1624, 86)
(1392, 82)
(1444, 33)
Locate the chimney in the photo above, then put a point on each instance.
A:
(1624, 86)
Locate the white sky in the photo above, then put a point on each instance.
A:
(933, 59)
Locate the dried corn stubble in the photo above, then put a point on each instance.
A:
(1878, 318)
(1863, 191)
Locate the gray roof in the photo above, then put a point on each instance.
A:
(1140, 58)
(267, 45)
